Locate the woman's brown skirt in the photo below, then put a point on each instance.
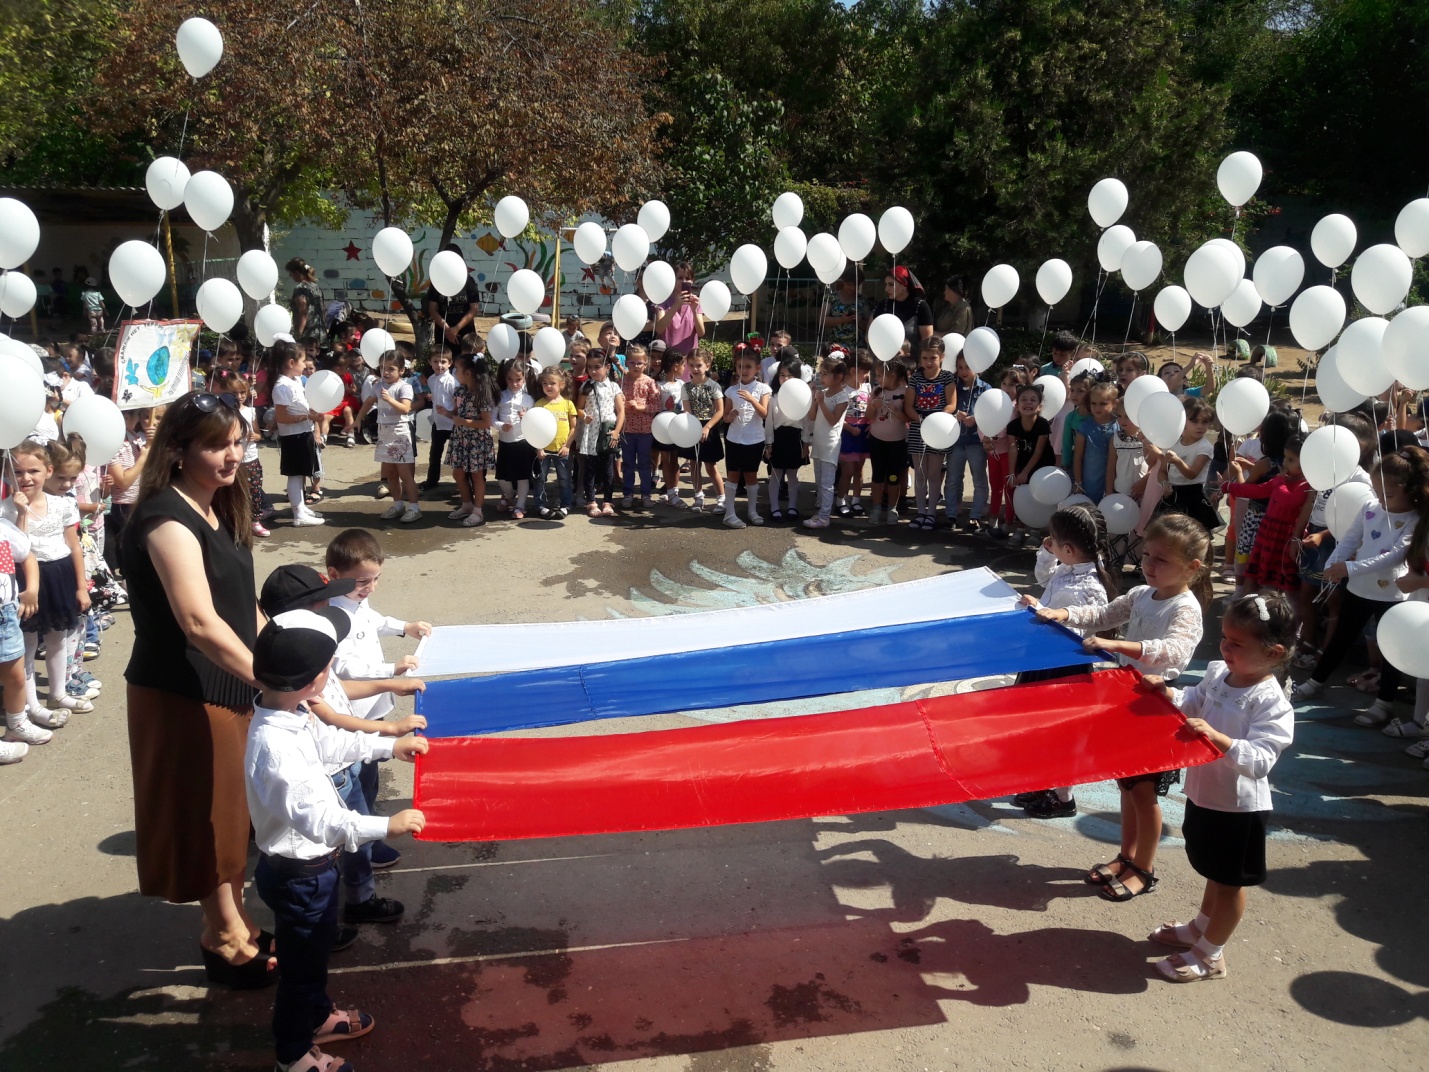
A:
(190, 807)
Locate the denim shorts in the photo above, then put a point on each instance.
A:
(12, 641)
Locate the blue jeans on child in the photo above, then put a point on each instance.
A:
(968, 453)
(356, 866)
(303, 898)
(562, 466)
(635, 448)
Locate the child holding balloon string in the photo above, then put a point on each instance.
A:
(930, 390)
(671, 382)
(555, 389)
(396, 451)
(702, 398)
(1272, 562)
(602, 409)
(1077, 399)
(1030, 433)
(853, 446)
(1188, 466)
(515, 458)
(1094, 453)
(828, 408)
(787, 442)
(470, 451)
(887, 442)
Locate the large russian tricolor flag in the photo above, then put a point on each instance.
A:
(1081, 728)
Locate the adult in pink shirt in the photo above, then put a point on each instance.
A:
(680, 323)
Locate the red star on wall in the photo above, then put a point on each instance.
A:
(352, 251)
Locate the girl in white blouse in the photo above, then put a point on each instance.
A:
(1240, 708)
(1163, 620)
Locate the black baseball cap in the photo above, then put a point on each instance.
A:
(298, 588)
(296, 646)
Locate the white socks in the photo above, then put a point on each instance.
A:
(1207, 950)
(1189, 934)
(794, 490)
(753, 490)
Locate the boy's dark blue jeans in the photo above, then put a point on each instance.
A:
(303, 897)
(356, 866)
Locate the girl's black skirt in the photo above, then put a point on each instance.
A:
(298, 454)
(1225, 846)
(59, 608)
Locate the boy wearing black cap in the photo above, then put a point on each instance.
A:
(298, 587)
(301, 826)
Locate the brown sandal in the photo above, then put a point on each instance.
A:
(1116, 890)
(1166, 935)
(1102, 873)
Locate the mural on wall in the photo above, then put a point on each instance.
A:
(346, 272)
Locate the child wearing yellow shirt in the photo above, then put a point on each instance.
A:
(555, 390)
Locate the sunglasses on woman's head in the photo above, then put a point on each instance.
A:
(207, 403)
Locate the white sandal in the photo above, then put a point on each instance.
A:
(317, 1061)
(1188, 967)
(343, 1024)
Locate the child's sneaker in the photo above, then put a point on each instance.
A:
(647, 501)
(259, 530)
(20, 728)
(674, 500)
(13, 751)
(308, 519)
(88, 678)
(816, 523)
(891, 518)
(1419, 749)
(393, 512)
(627, 503)
(1307, 689)
(80, 691)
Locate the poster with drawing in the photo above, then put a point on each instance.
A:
(151, 362)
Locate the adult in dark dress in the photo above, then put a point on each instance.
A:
(452, 317)
(309, 315)
(903, 297)
(188, 564)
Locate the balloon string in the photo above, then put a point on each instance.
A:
(1043, 339)
(1131, 319)
(1096, 301)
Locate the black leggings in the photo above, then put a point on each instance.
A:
(1355, 613)
(597, 473)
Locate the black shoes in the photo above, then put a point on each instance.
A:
(374, 910)
(1050, 806)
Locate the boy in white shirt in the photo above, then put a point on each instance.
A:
(442, 386)
(357, 555)
(301, 826)
(747, 403)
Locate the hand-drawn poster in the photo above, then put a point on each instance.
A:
(151, 362)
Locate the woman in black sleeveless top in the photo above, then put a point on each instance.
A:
(189, 568)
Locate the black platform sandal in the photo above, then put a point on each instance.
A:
(250, 975)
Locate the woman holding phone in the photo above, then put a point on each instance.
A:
(680, 323)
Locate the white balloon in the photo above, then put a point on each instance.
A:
(1243, 305)
(1121, 512)
(856, 236)
(1411, 227)
(953, 344)
(939, 430)
(686, 430)
(1329, 456)
(1278, 273)
(1406, 347)
(1141, 265)
(269, 322)
(825, 256)
(1211, 275)
(1400, 637)
(1316, 316)
(375, 343)
(1361, 357)
(165, 180)
(448, 273)
(714, 300)
(257, 274)
(1239, 177)
(1346, 503)
(503, 342)
(1381, 278)
(794, 399)
(422, 425)
(1000, 285)
(24, 352)
(1138, 391)
(589, 242)
(789, 247)
(654, 219)
(1172, 307)
(1112, 246)
(1162, 418)
(22, 402)
(993, 412)
(1241, 405)
(630, 247)
(1076, 500)
(1235, 252)
(885, 336)
(17, 294)
(324, 390)
(981, 349)
(895, 229)
(1333, 240)
(788, 210)
(660, 427)
(1029, 509)
(1054, 396)
(832, 272)
(19, 233)
(525, 290)
(548, 347)
(748, 268)
(1336, 395)
(1050, 485)
(136, 271)
(629, 315)
(511, 216)
(659, 281)
(538, 427)
(1054, 279)
(1107, 202)
(1085, 364)
(391, 251)
(209, 199)
(200, 47)
(220, 304)
(97, 421)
